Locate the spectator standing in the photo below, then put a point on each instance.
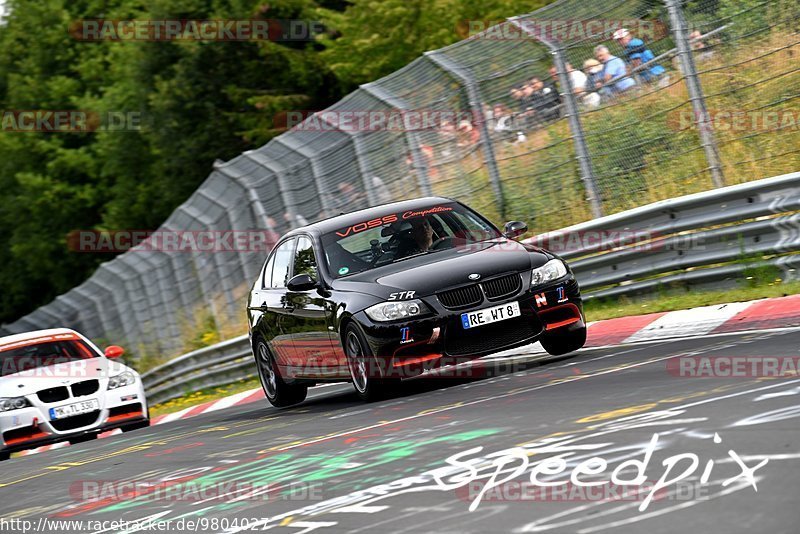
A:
(613, 69)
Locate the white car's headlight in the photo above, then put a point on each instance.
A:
(393, 311)
(14, 403)
(124, 379)
(552, 270)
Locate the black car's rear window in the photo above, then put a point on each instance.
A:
(396, 236)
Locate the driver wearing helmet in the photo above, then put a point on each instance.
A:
(421, 238)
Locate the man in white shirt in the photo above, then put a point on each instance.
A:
(576, 77)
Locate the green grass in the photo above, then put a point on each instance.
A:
(597, 310)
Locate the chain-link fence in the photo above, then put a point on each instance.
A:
(574, 111)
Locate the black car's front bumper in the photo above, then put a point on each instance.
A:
(407, 348)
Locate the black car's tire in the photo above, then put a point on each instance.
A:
(367, 382)
(83, 439)
(4, 456)
(569, 341)
(279, 393)
(136, 426)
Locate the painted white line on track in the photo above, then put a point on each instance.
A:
(227, 402)
(694, 322)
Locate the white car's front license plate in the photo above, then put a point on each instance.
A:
(77, 408)
(490, 315)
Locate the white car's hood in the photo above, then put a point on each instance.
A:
(60, 374)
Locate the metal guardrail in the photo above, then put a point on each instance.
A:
(704, 239)
(218, 365)
(707, 239)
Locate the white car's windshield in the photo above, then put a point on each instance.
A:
(42, 352)
(397, 236)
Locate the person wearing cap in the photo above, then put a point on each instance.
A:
(637, 53)
(613, 69)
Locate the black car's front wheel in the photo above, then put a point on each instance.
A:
(562, 343)
(368, 383)
(278, 392)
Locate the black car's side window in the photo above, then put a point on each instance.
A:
(304, 260)
(282, 260)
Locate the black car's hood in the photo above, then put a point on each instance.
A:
(435, 271)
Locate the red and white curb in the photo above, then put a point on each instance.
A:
(245, 397)
(720, 318)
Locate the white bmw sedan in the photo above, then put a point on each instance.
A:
(56, 385)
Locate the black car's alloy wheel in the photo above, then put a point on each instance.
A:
(278, 392)
(368, 384)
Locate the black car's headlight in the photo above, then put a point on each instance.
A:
(13, 403)
(121, 380)
(395, 310)
(552, 270)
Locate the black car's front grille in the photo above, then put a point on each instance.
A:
(494, 289)
(463, 297)
(56, 394)
(87, 387)
(504, 286)
(76, 421)
(489, 338)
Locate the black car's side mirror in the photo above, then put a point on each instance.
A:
(514, 228)
(301, 282)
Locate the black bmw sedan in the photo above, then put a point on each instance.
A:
(389, 292)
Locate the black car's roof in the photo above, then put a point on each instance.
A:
(343, 221)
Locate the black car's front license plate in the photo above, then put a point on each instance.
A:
(490, 315)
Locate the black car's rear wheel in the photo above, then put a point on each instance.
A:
(278, 392)
(4, 456)
(562, 343)
(368, 383)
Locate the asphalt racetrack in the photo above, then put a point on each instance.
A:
(334, 464)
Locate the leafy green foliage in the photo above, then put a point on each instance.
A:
(195, 102)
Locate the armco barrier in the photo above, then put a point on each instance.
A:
(702, 240)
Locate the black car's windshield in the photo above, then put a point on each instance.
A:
(42, 352)
(397, 236)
